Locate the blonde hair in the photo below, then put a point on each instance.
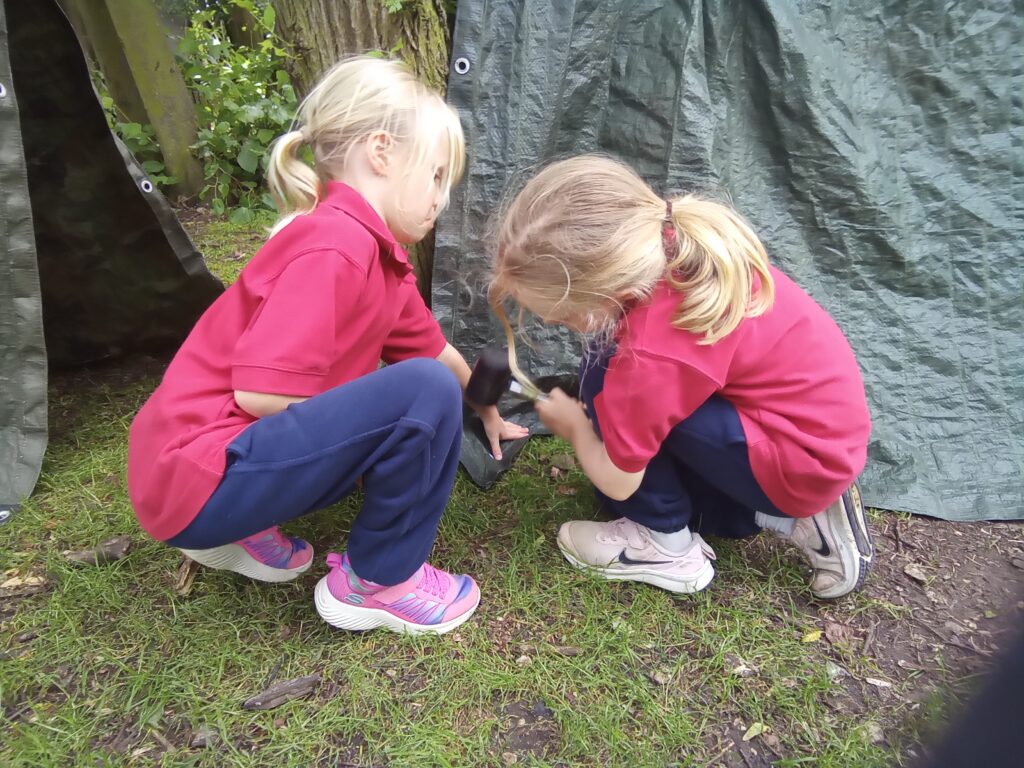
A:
(586, 234)
(357, 97)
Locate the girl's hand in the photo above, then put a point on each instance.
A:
(497, 429)
(562, 414)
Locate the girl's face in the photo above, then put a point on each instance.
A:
(416, 196)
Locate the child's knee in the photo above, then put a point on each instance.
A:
(435, 382)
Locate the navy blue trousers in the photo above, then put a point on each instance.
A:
(399, 428)
(700, 478)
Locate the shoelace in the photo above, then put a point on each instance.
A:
(433, 581)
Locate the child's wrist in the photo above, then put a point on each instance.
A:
(580, 431)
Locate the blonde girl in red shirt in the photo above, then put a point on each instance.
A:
(276, 405)
(723, 400)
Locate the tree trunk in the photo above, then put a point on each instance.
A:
(131, 47)
(320, 32)
(323, 31)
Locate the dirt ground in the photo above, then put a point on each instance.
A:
(957, 597)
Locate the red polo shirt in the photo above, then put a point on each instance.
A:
(320, 304)
(790, 373)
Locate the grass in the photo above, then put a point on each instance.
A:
(108, 666)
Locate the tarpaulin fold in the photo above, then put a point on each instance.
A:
(94, 262)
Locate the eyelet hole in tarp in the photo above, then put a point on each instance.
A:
(147, 186)
(3, 91)
(461, 65)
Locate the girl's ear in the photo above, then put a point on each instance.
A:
(378, 150)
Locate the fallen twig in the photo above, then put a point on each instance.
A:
(278, 694)
(955, 643)
(186, 575)
(109, 551)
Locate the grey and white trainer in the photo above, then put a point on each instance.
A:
(838, 545)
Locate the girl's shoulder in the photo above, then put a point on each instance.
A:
(322, 230)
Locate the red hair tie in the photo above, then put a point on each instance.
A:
(668, 233)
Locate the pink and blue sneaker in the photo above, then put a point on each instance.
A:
(265, 556)
(430, 601)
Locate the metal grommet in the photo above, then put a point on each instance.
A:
(6, 513)
(3, 91)
(147, 186)
(461, 65)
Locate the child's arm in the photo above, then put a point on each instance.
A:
(495, 427)
(260, 404)
(565, 417)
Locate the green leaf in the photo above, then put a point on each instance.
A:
(755, 729)
(130, 130)
(247, 159)
(153, 166)
(265, 135)
(188, 46)
(217, 206)
(282, 77)
(250, 113)
(241, 216)
(269, 17)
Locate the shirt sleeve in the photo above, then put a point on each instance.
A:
(643, 398)
(416, 332)
(289, 345)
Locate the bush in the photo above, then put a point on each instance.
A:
(244, 99)
(139, 138)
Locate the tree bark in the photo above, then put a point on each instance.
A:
(323, 31)
(131, 47)
(320, 32)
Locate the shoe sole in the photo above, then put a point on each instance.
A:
(356, 619)
(233, 557)
(654, 578)
(850, 528)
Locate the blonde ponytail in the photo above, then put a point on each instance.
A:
(294, 186)
(716, 258)
(586, 236)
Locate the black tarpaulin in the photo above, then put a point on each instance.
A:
(93, 262)
(876, 147)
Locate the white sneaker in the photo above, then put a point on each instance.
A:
(838, 545)
(624, 551)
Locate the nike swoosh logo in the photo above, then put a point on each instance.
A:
(627, 560)
(824, 549)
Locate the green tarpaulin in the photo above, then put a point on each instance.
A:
(876, 147)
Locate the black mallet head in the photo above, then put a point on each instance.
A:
(490, 378)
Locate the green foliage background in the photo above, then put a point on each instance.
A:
(244, 100)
